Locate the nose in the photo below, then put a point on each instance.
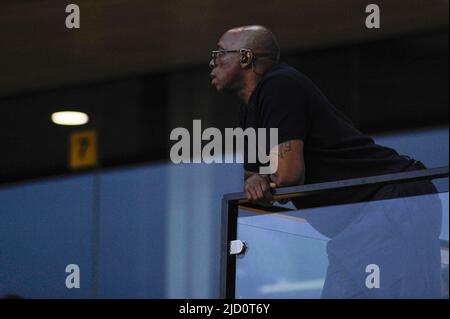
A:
(211, 64)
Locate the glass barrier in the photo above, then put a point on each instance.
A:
(287, 257)
(385, 248)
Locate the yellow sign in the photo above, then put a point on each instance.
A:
(83, 149)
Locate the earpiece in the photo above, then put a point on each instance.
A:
(244, 57)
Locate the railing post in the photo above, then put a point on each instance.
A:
(227, 261)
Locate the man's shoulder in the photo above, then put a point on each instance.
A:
(283, 74)
(284, 83)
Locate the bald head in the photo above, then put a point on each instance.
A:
(233, 70)
(259, 39)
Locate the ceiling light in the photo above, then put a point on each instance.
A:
(70, 118)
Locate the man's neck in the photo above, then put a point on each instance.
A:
(249, 86)
(251, 81)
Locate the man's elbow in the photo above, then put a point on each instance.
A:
(282, 180)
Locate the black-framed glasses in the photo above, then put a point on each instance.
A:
(217, 53)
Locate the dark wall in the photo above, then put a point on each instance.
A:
(390, 84)
(121, 38)
(385, 85)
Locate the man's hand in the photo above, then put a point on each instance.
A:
(257, 188)
(291, 171)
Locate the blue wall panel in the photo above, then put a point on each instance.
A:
(132, 228)
(44, 227)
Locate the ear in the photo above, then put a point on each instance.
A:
(246, 58)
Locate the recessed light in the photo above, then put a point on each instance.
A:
(70, 118)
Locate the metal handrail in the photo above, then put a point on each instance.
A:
(310, 189)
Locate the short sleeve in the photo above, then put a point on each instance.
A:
(283, 105)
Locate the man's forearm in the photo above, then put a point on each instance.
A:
(247, 174)
(280, 181)
(287, 179)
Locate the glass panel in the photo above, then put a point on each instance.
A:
(387, 248)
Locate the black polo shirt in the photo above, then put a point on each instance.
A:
(333, 148)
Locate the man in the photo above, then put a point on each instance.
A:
(318, 143)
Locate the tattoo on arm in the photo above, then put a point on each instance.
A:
(285, 148)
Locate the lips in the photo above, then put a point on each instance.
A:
(213, 79)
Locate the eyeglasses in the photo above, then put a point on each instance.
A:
(217, 53)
